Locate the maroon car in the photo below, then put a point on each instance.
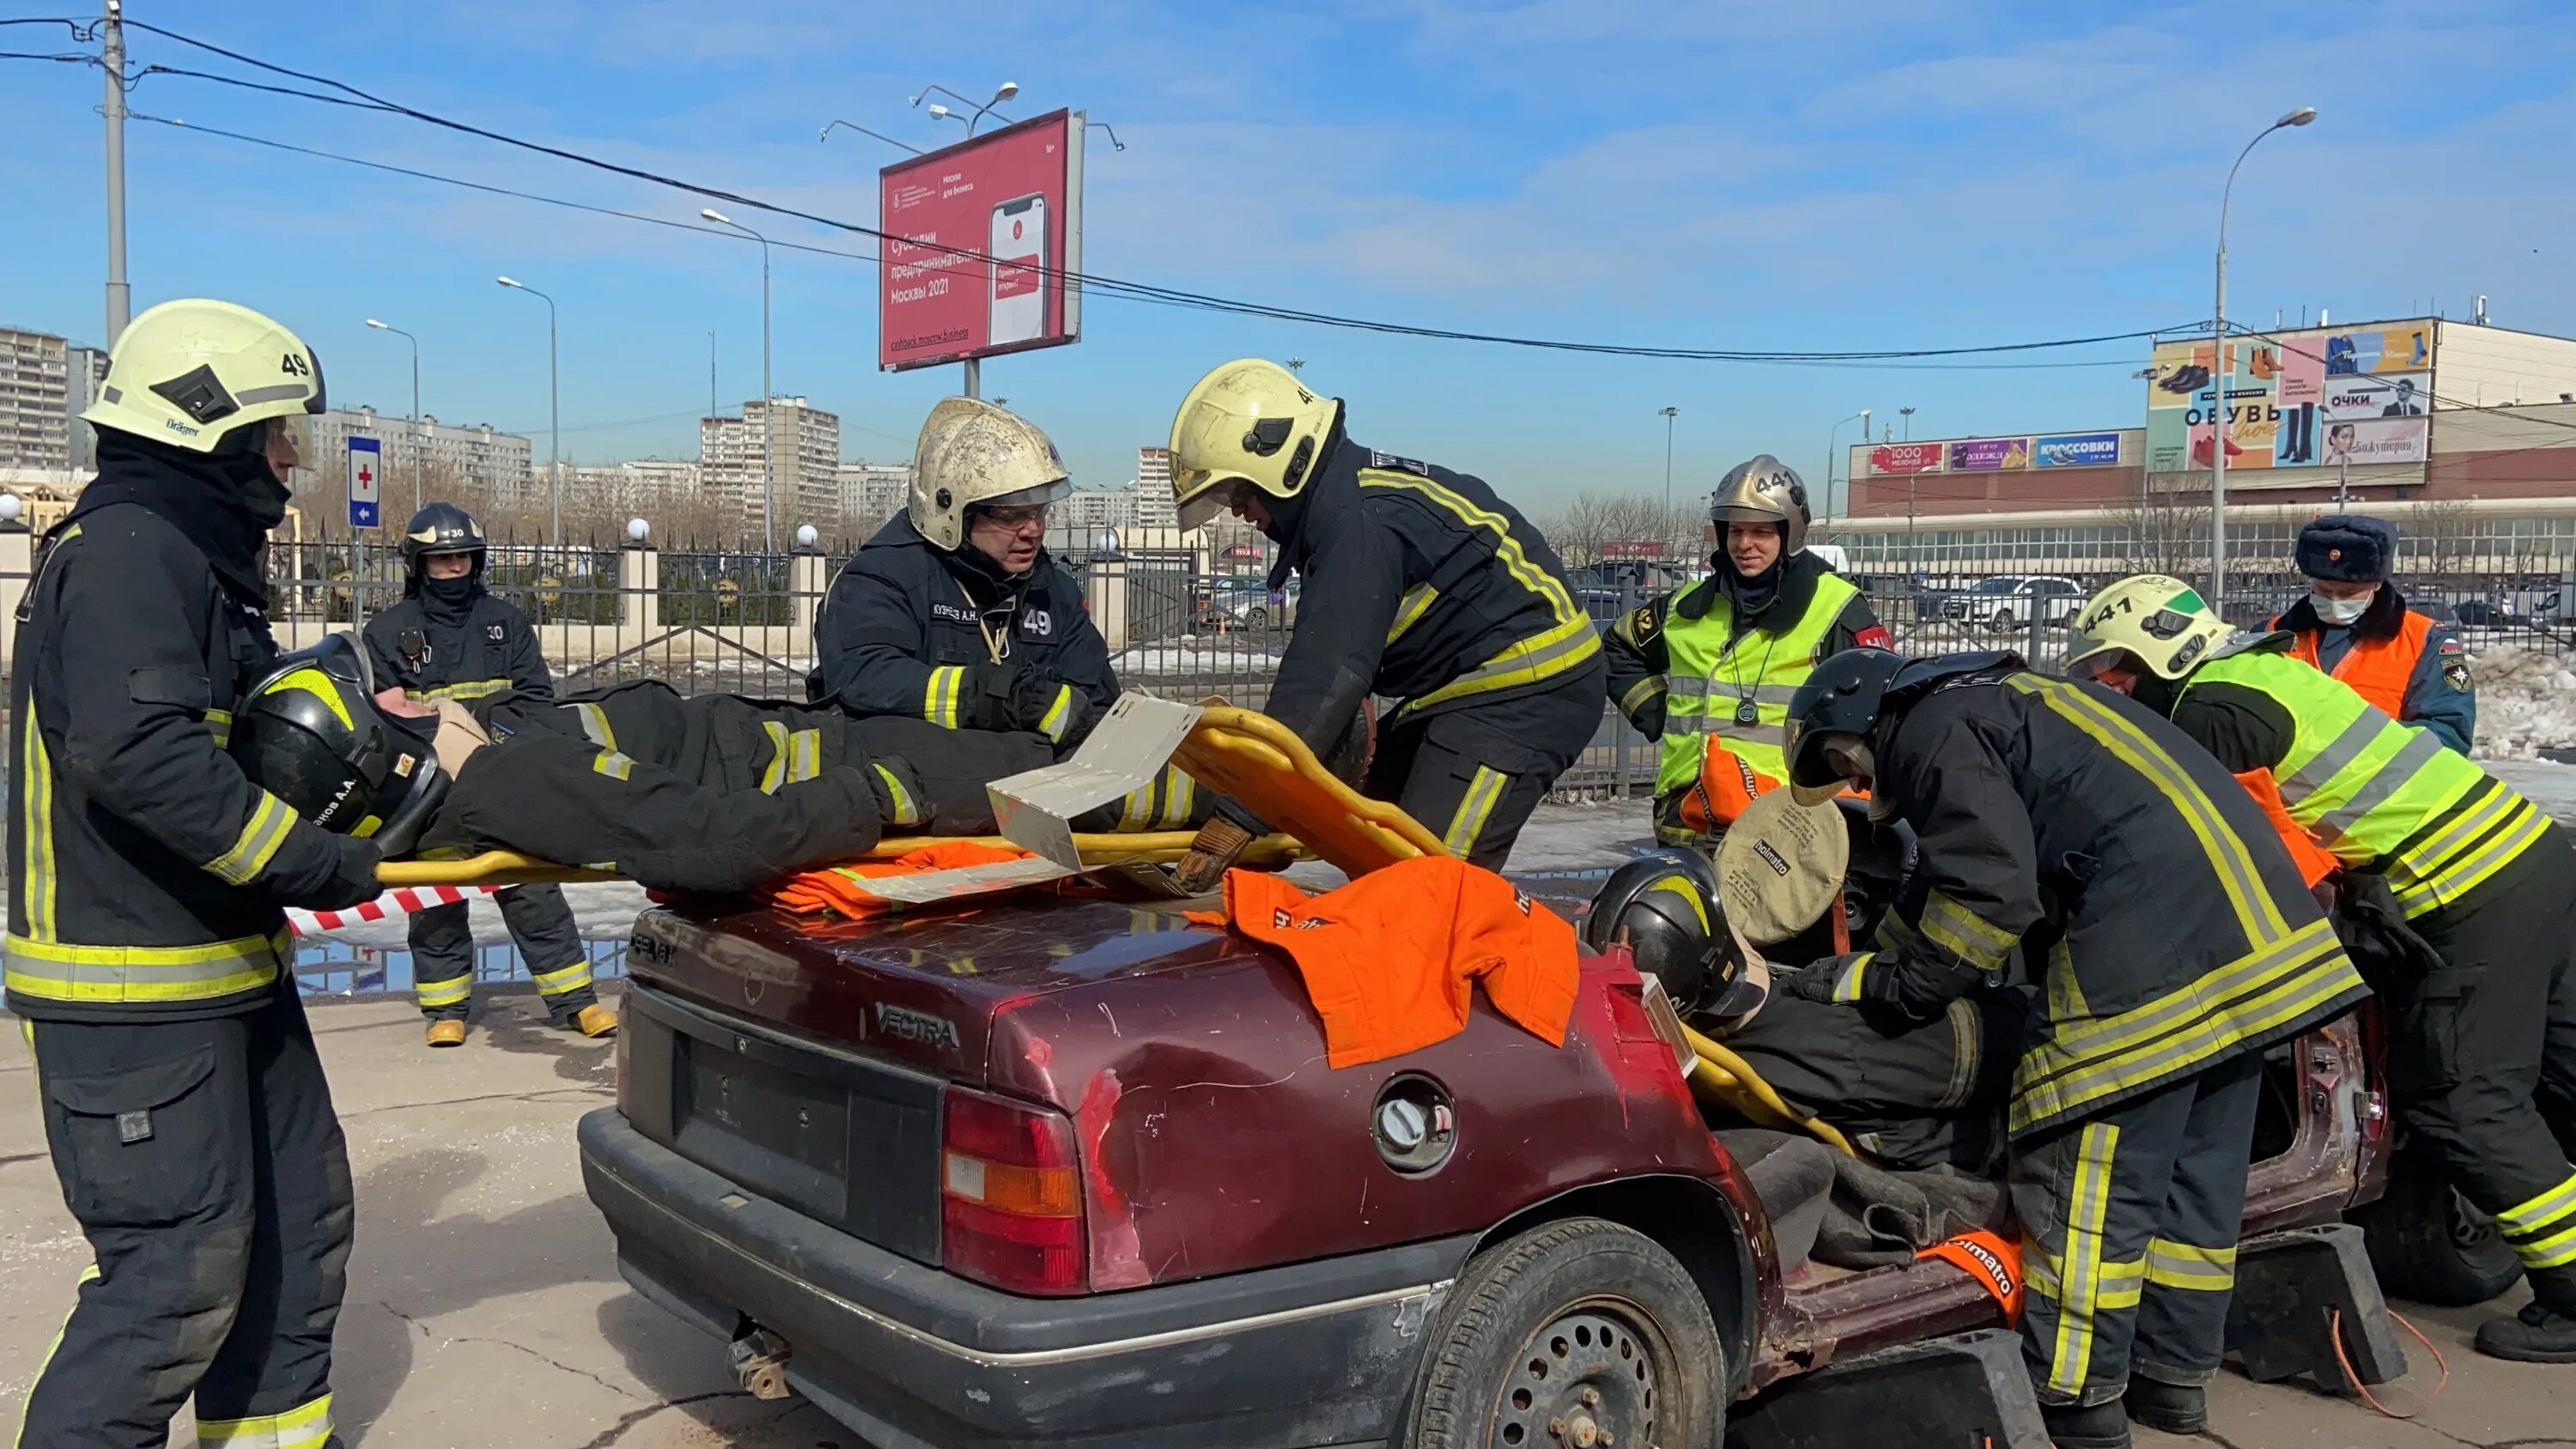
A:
(1068, 1171)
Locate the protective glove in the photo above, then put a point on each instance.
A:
(1816, 980)
(350, 881)
(1229, 831)
(1043, 704)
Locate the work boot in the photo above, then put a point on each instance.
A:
(2173, 1408)
(2545, 1330)
(2087, 1426)
(594, 1021)
(446, 1033)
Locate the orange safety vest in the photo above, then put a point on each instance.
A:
(2377, 669)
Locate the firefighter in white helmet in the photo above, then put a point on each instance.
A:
(184, 1103)
(1420, 585)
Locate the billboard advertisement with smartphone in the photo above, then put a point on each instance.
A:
(979, 240)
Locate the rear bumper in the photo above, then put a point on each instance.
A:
(1314, 1354)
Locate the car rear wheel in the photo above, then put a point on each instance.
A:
(1578, 1332)
(2428, 1244)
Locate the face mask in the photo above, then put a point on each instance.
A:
(266, 499)
(2338, 611)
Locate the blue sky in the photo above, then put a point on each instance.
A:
(1801, 175)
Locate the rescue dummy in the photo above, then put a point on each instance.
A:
(2074, 842)
(2465, 890)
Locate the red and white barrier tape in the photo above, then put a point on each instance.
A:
(391, 903)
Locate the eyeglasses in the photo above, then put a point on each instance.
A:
(1019, 516)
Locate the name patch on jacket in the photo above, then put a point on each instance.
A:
(954, 614)
(1415, 466)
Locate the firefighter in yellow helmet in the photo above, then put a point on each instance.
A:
(1709, 670)
(184, 1103)
(2482, 1051)
(1420, 585)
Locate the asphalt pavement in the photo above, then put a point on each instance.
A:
(484, 1306)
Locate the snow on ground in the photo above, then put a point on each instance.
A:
(1166, 659)
(2526, 702)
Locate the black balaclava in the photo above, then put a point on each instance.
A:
(1754, 596)
(2155, 691)
(225, 501)
(450, 601)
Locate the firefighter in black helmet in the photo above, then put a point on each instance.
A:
(184, 1103)
(451, 640)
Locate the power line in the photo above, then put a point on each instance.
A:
(367, 100)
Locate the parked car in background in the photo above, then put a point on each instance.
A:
(2008, 602)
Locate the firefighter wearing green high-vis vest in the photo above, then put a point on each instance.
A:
(2483, 1045)
(1709, 670)
(183, 1101)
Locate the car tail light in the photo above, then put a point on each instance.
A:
(1010, 1196)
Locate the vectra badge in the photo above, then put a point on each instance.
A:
(904, 1024)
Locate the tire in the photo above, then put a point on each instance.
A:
(2003, 622)
(1258, 619)
(1572, 1320)
(2429, 1245)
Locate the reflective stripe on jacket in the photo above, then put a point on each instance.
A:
(1708, 681)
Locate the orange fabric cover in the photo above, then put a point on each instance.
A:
(1389, 958)
(2377, 669)
(2312, 859)
(1726, 788)
(1994, 1261)
(843, 888)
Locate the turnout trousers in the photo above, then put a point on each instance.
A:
(206, 1167)
(540, 921)
(1473, 773)
(2129, 1225)
(2482, 1056)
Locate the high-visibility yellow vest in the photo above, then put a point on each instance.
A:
(1738, 692)
(2363, 786)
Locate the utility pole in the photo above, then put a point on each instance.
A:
(1912, 476)
(711, 372)
(1669, 414)
(120, 298)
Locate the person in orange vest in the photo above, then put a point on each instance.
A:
(2355, 625)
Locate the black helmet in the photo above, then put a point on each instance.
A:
(312, 735)
(1663, 907)
(439, 528)
(1850, 692)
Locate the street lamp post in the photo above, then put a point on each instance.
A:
(2218, 412)
(1668, 414)
(554, 406)
(1912, 475)
(768, 414)
(1862, 418)
(415, 405)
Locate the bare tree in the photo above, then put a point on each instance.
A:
(2166, 531)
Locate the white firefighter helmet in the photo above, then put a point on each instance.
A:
(975, 455)
(1249, 422)
(2159, 622)
(188, 372)
(1762, 489)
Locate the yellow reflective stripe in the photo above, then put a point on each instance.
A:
(1473, 808)
(2418, 753)
(1058, 714)
(1180, 794)
(36, 799)
(2256, 911)
(306, 1426)
(905, 813)
(2119, 1285)
(2539, 1211)
(614, 765)
(939, 698)
(2433, 883)
(1893, 931)
(1507, 549)
(1847, 986)
(1537, 657)
(2551, 1252)
(556, 983)
(2191, 1024)
(1710, 670)
(594, 723)
(805, 754)
(1964, 933)
(2190, 1266)
(56, 971)
(463, 691)
(444, 993)
(220, 721)
(314, 682)
(258, 843)
(87, 1276)
(1409, 610)
(1640, 694)
(2079, 1268)
(775, 772)
(1136, 810)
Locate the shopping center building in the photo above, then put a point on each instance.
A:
(2463, 434)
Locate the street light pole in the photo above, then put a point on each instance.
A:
(1862, 418)
(1911, 477)
(1668, 414)
(768, 413)
(120, 298)
(415, 405)
(2219, 412)
(554, 405)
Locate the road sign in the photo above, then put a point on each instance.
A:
(366, 480)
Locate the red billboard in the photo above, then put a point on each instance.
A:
(1906, 458)
(979, 239)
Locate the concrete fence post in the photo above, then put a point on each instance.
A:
(17, 567)
(639, 594)
(808, 575)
